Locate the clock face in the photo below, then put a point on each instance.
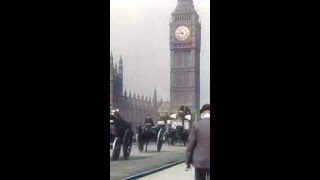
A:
(182, 33)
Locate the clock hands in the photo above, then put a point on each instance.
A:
(182, 33)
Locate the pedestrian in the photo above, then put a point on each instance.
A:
(198, 150)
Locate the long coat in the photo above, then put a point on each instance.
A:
(198, 150)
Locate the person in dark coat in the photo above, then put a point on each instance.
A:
(198, 150)
(149, 120)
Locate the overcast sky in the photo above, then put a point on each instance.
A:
(140, 33)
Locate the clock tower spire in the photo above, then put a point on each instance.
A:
(184, 6)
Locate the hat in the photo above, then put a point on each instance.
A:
(205, 107)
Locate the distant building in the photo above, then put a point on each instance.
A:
(133, 107)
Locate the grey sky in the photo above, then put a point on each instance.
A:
(140, 33)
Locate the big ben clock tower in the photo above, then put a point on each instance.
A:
(185, 44)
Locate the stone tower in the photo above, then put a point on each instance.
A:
(185, 45)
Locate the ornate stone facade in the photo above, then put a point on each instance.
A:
(185, 46)
(133, 107)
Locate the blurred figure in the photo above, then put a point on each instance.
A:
(149, 121)
(198, 150)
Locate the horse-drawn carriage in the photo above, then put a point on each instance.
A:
(148, 133)
(121, 134)
(178, 127)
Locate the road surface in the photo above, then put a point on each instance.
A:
(142, 162)
(174, 173)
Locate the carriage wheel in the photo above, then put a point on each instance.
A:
(159, 140)
(127, 144)
(139, 142)
(116, 149)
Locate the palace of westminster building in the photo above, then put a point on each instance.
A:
(185, 46)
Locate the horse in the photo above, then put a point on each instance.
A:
(144, 134)
(173, 135)
(119, 127)
(169, 135)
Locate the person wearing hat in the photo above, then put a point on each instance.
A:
(149, 120)
(198, 150)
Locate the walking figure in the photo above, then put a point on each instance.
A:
(198, 150)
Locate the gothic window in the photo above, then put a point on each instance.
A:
(187, 79)
(172, 78)
(186, 61)
(179, 78)
(187, 97)
(186, 57)
(183, 98)
(176, 77)
(178, 98)
(182, 79)
(177, 59)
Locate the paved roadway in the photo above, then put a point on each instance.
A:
(175, 172)
(142, 162)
